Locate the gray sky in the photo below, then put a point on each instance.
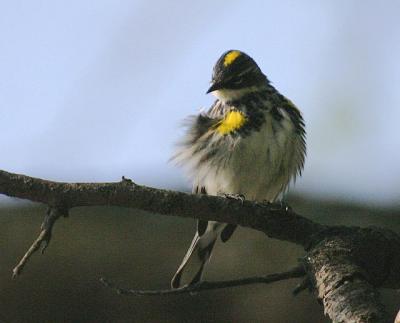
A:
(91, 91)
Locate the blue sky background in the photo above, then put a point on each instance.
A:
(93, 90)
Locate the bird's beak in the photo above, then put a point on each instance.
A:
(214, 86)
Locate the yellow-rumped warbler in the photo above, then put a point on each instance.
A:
(251, 142)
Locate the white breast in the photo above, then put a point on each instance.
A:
(260, 165)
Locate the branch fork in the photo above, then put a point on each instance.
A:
(44, 238)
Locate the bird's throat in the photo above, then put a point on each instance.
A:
(226, 95)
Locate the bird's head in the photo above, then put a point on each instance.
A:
(236, 74)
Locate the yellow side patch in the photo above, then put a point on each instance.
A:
(233, 120)
(230, 57)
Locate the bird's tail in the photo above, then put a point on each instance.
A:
(192, 266)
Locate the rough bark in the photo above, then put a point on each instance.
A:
(347, 268)
(345, 264)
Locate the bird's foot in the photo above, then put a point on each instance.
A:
(285, 206)
(237, 197)
(278, 206)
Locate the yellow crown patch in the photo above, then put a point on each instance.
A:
(233, 120)
(230, 57)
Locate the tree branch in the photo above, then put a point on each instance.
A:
(344, 264)
(206, 285)
(276, 221)
(338, 274)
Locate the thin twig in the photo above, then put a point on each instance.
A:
(206, 285)
(304, 284)
(52, 214)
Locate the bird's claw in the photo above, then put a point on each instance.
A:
(278, 206)
(237, 197)
(285, 206)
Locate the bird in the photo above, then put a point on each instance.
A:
(250, 144)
